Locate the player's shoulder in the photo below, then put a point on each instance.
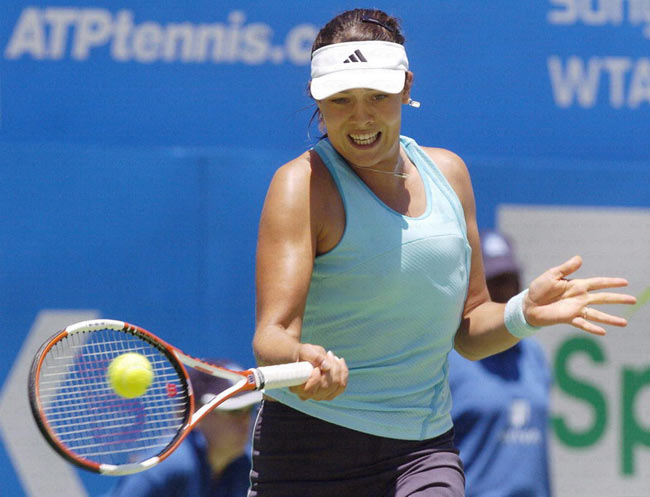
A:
(447, 161)
(305, 167)
(453, 168)
(302, 182)
(442, 154)
(294, 168)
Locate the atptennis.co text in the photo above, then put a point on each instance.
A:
(55, 33)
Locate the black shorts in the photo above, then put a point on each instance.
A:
(296, 455)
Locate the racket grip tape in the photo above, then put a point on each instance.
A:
(284, 375)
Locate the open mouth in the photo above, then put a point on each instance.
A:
(364, 139)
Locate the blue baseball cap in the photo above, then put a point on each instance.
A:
(498, 254)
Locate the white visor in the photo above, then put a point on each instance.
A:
(378, 65)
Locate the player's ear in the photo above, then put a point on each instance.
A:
(406, 91)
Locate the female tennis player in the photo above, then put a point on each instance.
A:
(369, 267)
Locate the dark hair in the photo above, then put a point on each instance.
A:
(359, 25)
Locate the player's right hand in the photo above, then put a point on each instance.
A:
(329, 377)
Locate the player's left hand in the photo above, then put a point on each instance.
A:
(554, 299)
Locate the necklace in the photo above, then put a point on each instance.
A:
(394, 172)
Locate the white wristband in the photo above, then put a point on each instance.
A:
(514, 318)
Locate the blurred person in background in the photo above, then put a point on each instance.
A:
(213, 461)
(500, 403)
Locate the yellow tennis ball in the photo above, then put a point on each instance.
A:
(130, 374)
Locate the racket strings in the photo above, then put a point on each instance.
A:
(89, 419)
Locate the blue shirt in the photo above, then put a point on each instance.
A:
(388, 299)
(500, 413)
(186, 473)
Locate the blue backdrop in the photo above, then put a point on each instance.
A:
(137, 140)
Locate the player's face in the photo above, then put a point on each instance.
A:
(364, 125)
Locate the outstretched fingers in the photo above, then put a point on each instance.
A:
(582, 324)
(610, 298)
(603, 282)
(588, 316)
(567, 268)
(554, 298)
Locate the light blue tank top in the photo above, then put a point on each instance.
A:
(389, 299)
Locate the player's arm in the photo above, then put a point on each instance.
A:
(552, 297)
(291, 226)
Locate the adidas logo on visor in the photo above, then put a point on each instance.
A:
(357, 56)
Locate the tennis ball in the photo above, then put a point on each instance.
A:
(130, 375)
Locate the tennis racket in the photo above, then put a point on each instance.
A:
(91, 426)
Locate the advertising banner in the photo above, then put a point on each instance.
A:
(546, 78)
(601, 395)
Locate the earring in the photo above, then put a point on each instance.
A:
(413, 103)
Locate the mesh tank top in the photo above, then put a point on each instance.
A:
(389, 299)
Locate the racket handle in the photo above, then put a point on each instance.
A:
(284, 375)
